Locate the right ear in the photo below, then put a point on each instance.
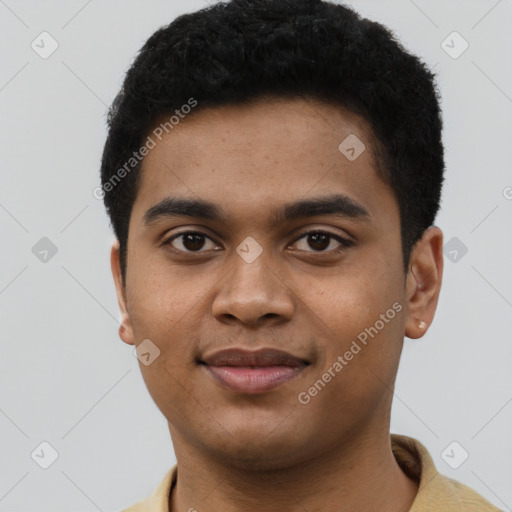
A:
(125, 328)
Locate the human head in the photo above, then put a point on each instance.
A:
(260, 134)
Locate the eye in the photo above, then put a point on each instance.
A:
(319, 241)
(189, 241)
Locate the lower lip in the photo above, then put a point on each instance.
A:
(253, 380)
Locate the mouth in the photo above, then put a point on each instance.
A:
(252, 372)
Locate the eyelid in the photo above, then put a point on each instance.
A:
(324, 231)
(168, 239)
(344, 242)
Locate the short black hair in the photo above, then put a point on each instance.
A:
(239, 51)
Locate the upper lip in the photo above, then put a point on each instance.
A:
(262, 357)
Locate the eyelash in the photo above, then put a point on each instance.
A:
(345, 243)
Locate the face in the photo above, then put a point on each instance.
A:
(264, 266)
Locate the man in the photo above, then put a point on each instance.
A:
(272, 173)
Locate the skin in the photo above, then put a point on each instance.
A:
(239, 452)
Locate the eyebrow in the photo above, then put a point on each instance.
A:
(338, 205)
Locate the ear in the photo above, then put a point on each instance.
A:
(423, 283)
(125, 328)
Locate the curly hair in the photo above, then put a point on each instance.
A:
(238, 51)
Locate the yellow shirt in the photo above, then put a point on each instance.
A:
(436, 493)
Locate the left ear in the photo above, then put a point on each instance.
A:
(125, 327)
(423, 282)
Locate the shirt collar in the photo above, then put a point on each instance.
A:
(434, 490)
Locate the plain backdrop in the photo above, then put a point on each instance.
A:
(68, 380)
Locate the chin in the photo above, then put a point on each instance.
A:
(257, 458)
(251, 449)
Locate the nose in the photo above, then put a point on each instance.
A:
(253, 293)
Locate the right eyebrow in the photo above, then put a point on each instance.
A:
(182, 207)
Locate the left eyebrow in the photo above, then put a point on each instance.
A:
(338, 205)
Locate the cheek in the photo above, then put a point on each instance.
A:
(348, 302)
(355, 377)
(164, 311)
(360, 318)
(159, 301)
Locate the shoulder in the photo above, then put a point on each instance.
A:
(468, 498)
(436, 491)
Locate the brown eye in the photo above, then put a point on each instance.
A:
(190, 241)
(193, 241)
(319, 241)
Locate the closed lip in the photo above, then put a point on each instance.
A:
(252, 371)
(263, 357)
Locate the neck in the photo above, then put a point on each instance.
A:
(360, 474)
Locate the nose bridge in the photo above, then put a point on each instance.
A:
(252, 289)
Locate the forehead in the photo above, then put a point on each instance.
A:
(268, 152)
(264, 125)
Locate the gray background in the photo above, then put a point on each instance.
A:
(65, 376)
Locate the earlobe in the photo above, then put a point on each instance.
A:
(125, 327)
(423, 283)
